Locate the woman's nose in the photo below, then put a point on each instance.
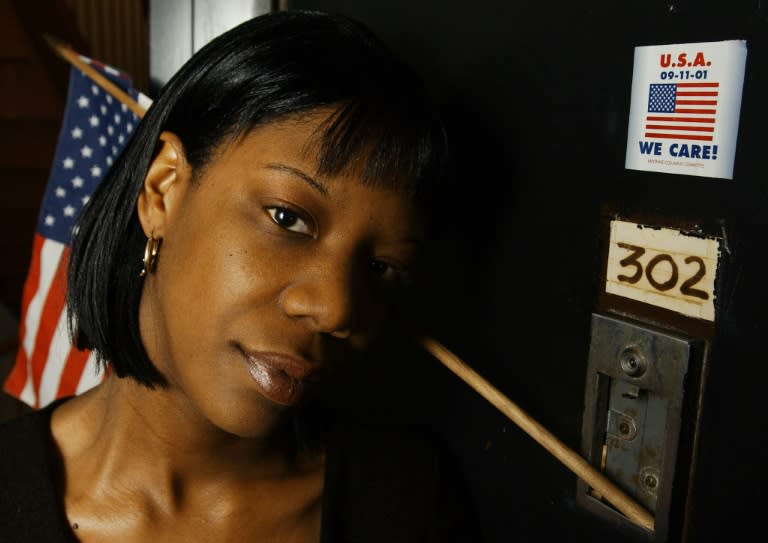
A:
(325, 298)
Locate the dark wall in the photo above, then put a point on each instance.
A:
(536, 97)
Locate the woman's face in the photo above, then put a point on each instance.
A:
(267, 273)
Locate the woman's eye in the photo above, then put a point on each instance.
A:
(285, 218)
(388, 272)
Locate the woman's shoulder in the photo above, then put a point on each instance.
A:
(29, 504)
(384, 438)
(24, 437)
(391, 480)
(394, 455)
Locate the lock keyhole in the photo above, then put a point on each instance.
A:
(632, 362)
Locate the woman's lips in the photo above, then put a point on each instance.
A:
(281, 378)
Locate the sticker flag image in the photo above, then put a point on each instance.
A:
(683, 111)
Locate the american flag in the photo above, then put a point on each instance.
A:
(682, 111)
(94, 131)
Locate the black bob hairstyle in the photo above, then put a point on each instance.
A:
(270, 67)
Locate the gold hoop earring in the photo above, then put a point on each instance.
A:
(150, 256)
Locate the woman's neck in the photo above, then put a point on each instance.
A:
(138, 461)
(122, 430)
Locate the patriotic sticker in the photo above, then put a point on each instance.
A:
(684, 114)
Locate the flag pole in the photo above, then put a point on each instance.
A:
(66, 52)
(578, 465)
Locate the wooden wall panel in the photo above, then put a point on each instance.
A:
(28, 143)
(26, 93)
(13, 42)
(117, 33)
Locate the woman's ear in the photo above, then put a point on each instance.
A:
(167, 179)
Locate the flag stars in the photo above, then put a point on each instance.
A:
(99, 129)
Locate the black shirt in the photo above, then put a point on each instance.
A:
(381, 485)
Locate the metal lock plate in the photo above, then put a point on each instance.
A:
(633, 411)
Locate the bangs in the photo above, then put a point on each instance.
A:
(390, 147)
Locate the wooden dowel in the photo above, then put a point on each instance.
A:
(73, 58)
(578, 465)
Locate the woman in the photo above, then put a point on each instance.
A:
(276, 192)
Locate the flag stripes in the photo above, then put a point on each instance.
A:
(95, 129)
(680, 120)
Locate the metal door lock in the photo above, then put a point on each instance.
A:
(632, 361)
(633, 412)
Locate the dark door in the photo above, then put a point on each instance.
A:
(537, 99)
